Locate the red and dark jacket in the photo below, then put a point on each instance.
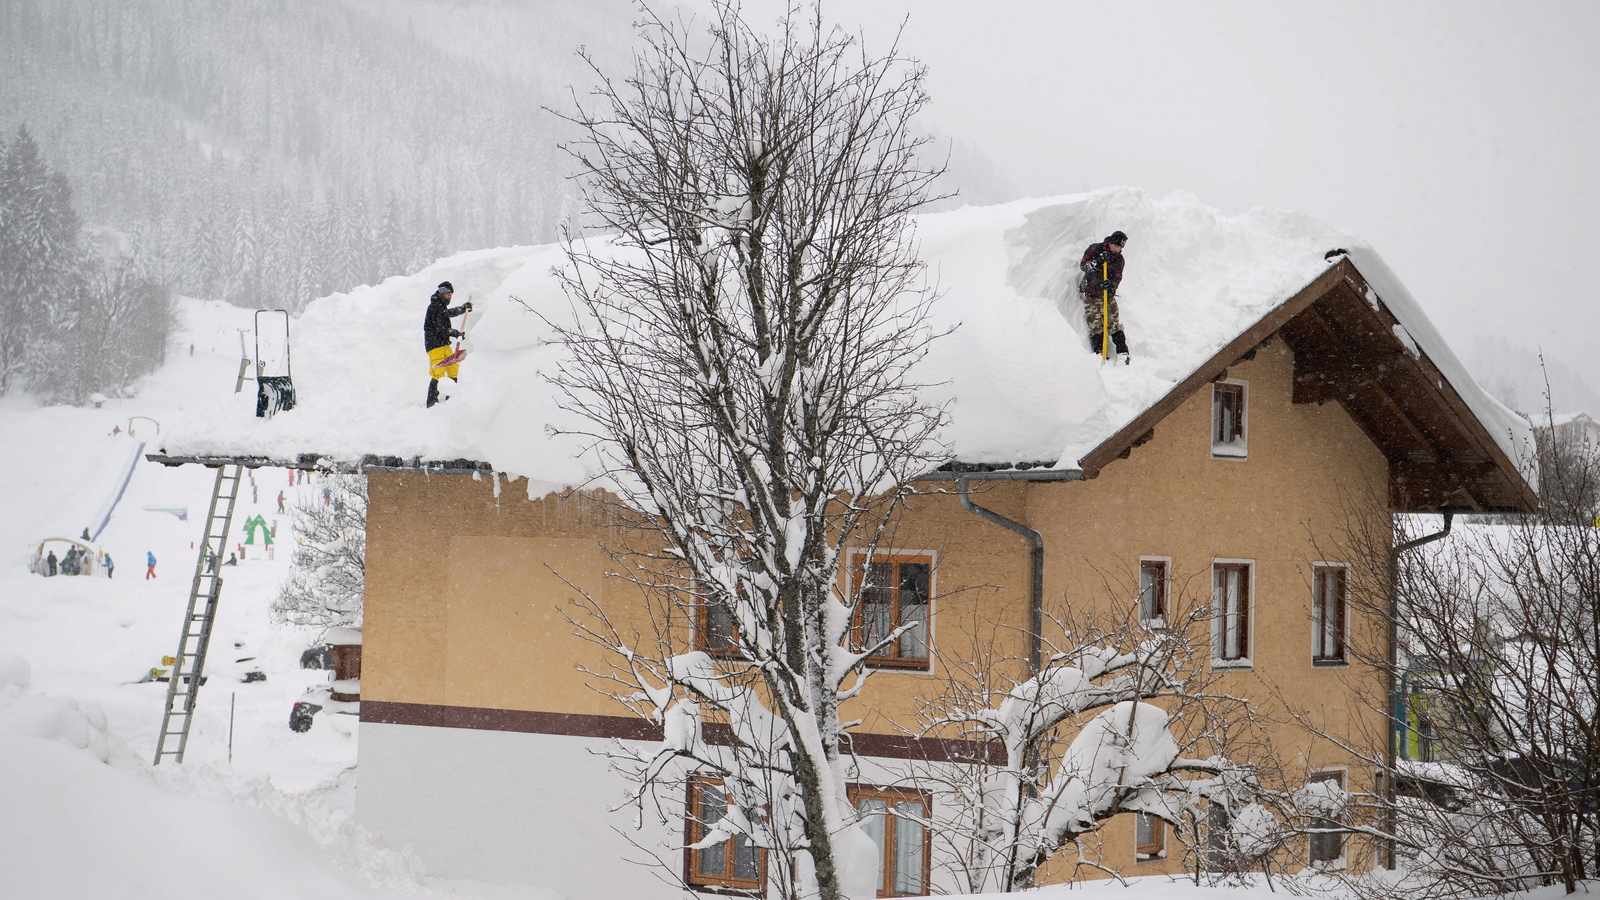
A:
(1092, 283)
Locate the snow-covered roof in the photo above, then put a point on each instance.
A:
(1017, 374)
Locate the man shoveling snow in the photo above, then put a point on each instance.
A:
(436, 334)
(1102, 275)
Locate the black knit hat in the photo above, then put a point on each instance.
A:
(446, 287)
(1118, 238)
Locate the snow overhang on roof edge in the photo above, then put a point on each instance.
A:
(369, 463)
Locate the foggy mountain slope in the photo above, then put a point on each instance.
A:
(269, 152)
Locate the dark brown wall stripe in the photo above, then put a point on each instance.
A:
(885, 746)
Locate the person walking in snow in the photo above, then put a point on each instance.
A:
(436, 334)
(150, 565)
(280, 501)
(1102, 274)
(51, 564)
(111, 567)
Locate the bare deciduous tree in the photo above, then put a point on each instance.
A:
(743, 344)
(1495, 698)
(326, 585)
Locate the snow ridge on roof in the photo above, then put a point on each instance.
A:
(1017, 373)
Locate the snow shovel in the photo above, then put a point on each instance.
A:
(458, 354)
(1105, 314)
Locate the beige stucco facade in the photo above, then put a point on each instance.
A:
(470, 584)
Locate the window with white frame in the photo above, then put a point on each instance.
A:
(1230, 604)
(1229, 419)
(1329, 613)
(1153, 573)
(895, 820)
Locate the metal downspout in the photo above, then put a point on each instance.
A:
(1036, 626)
(1391, 752)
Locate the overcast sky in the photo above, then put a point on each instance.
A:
(1460, 137)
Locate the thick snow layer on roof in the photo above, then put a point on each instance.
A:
(1017, 373)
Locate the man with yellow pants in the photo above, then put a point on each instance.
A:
(436, 333)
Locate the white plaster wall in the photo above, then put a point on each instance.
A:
(509, 807)
(534, 809)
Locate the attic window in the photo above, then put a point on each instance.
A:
(1228, 419)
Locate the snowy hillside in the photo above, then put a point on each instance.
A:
(73, 650)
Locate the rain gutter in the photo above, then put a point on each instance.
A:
(963, 482)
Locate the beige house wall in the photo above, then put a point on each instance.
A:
(468, 593)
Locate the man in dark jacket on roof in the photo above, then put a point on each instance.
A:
(436, 333)
(1102, 275)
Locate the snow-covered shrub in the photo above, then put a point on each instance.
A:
(324, 589)
(1084, 741)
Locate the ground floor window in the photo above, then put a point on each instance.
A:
(731, 864)
(1149, 837)
(1219, 825)
(895, 819)
(1327, 848)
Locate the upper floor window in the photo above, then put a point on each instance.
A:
(1230, 605)
(732, 864)
(1153, 589)
(1228, 419)
(894, 818)
(897, 591)
(1329, 605)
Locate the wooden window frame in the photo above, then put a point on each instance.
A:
(1156, 847)
(702, 628)
(1219, 615)
(1321, 621)
(1341, 775)
(692, 876)
(859, 792)
(858, 570)
(1163, 564)
(1239, 446)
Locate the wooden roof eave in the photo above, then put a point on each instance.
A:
(1125, 438)
(1137, 430)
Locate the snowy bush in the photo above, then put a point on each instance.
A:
(325, 586)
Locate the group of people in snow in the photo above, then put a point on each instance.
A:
(1101, 267)
(76, 561)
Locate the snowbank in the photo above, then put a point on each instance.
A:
(76, 828)
(1017, 375)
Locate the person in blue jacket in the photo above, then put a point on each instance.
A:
(150, 564)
